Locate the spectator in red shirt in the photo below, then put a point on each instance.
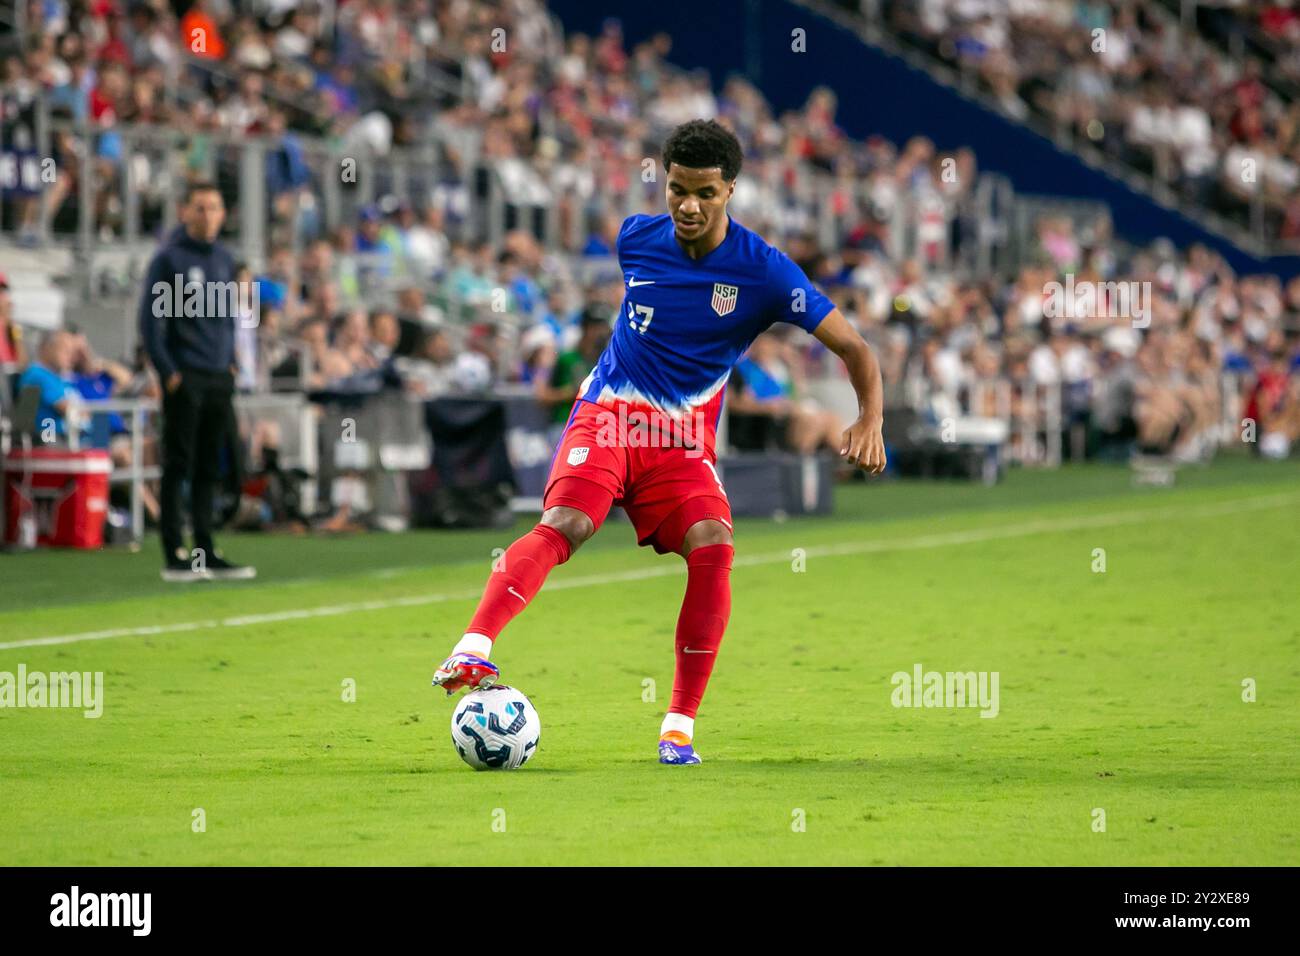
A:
(114, 49)
(12, 351)
(1279, 21)
(109, 94)
(1249, 90)
(1269, 390)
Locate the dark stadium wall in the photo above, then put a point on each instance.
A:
(880, 93)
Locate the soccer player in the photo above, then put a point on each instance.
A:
(700, 287)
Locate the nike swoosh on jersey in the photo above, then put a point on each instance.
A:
(632, 283)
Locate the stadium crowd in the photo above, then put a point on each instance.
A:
(1129, 76)
(405, 295)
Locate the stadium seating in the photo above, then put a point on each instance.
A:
(393, 172)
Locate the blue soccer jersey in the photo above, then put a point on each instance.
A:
(684, 322)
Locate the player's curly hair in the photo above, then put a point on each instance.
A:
(701, 144)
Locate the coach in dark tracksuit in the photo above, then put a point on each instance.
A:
(193, 350)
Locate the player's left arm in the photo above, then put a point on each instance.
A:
(862, 443)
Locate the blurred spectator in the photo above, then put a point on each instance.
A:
(1274, 405)
(287, 174)
(12, 349)
(424, 242)
(430, 373)
(764, 409)
(525, 293)
(415, 316)
(377, 242)
(537, 354)
(385, 335)
(351, 351)
(97, 379)
(51, 374)
(602, 240)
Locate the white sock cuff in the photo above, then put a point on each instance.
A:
(480, 645)
(678, 722)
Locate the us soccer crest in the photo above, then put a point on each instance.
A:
(578, 455)
(724, 298)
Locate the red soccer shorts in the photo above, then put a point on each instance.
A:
(664, 486)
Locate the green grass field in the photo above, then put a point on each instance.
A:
(1119, 690)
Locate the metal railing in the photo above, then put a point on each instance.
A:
(1032, 413)
(127, 202)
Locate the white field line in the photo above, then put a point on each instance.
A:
(929, 541)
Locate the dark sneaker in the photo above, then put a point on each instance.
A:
(182, 572)
(219, 569)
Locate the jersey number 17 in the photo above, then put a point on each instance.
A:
(640, 310)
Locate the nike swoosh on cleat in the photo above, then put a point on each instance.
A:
(518, 595)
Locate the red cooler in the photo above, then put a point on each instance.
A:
(66, 491)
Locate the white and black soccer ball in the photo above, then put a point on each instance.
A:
(495, 728)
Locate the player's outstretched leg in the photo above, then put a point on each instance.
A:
(516, 578)
(706, 607)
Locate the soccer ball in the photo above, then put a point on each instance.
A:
(495, 728)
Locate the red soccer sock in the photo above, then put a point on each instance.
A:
(700, 626)
(517, 577)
